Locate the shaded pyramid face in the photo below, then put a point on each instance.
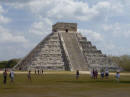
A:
(63, 49)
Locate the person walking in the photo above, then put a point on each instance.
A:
(29, 75)
(5, 76)
(35, 71)
(102, 74)
(42, 71)
(117, 76)
(11, 76)
(77, 74)
(38, 71)
(96, 73)
(91, 73)
(107, 74)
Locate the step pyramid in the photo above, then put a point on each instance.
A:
(63, 49)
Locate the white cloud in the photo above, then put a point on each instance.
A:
(110, 27)
(127, 34)
(37, 28)
(3, 19)
(69, 9)
(91, 35)
(109, 6)
(117, 29)
(112, 49)
(74, 10)
(1, 9)
(64, 9)
(107, 27)
(6, 36)
(42, 27)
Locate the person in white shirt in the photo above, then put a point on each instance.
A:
(11, 76)
(118, 76)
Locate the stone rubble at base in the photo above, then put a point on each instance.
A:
(65, 49)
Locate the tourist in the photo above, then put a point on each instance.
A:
(38, 71)
(29, 75)
(96, 73)
(91, 73)
(5, 76)
(42, 71)
(106, 73)
(102, 74)
(11, 75)
(77, 74)
(117, 76)
(35, 71)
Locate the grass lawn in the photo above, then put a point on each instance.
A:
(65, 85)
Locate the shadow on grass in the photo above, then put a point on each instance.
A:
(125, 82)
(96, 81)
(92, 81)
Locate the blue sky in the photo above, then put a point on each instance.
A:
(24, 23)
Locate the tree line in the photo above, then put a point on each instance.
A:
(122, 61)
(8, 63)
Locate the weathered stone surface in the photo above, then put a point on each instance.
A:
(64, 49)
(64, 27)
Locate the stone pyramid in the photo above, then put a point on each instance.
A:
(63, 49)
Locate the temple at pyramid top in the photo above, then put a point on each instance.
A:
(64, 50)
(61, 26)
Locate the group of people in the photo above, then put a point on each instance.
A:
(11, 75)
(5, 75)
(94, 74)
(38, 71)
(104, 74)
